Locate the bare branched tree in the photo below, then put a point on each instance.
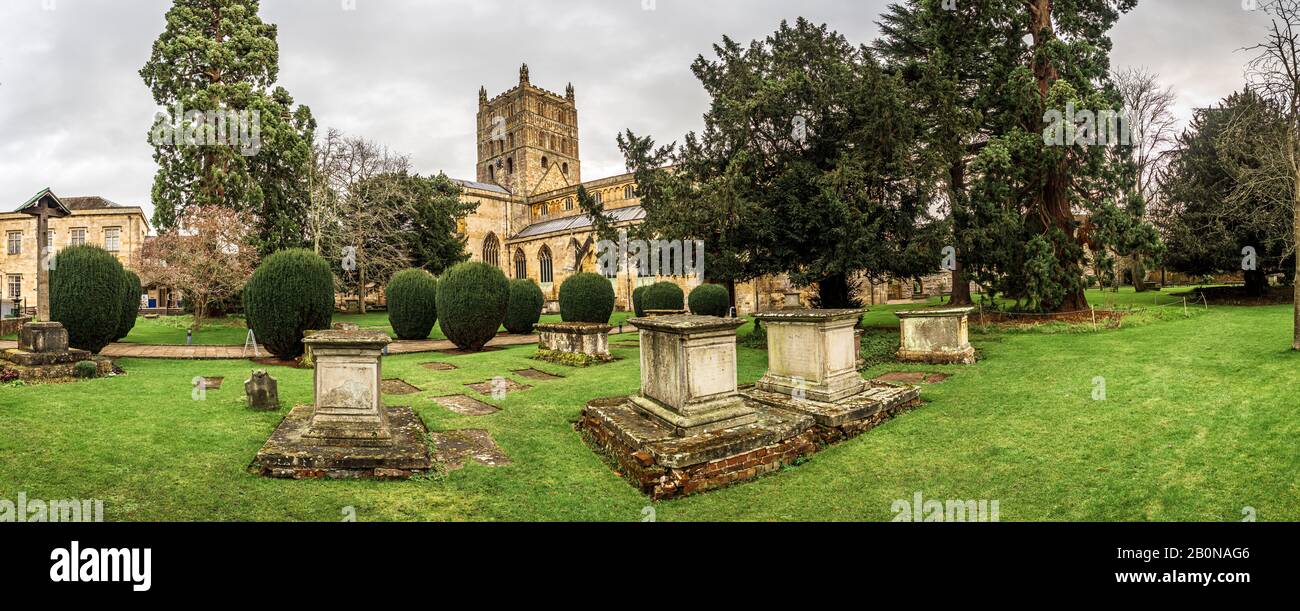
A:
(362, 213)
(1151, 123)
(1272, 179)
(208, 257)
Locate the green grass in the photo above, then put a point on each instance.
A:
(170, 330)
(1198, 422)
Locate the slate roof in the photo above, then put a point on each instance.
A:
(581, 221)
(88, 203)
(482, 186)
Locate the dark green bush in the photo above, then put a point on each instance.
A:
(130, 304)
(86, 284)
(525, 308)
(291, 292)
(710, 300)
(664, 296)
(85, 370)
(412, 297)
(472, 301)
(586, 297)
(638, 294)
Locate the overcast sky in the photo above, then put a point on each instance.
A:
(74, 113)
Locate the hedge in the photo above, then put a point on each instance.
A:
(86, 285)
(130, 304)
(472, 302)
(586, 297)
(664, 296)
(710, 300)
(638, 295)
(291, 292)
(412, 297)
(525, 307)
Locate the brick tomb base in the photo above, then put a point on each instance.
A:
(664, 466)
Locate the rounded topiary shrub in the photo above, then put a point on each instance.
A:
(86, 285)
(664, 296)
(472, 301)
(291, 292)
(710, 300)
(638, 297)
(525, 307)
(412, 297)
(586, 297)
(130, 304)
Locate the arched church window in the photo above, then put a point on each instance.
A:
(627, 192)
(568, 203)
(546, 163)
(565, 169)
(510, 166)
(547, 270)
(521, 264)
(492, 250)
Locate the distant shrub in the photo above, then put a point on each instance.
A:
(525, 307)
(472, 302)
(412, 297)
(291, 292)
(638, 296)
(86, 286)
(85, 370)
(664, 296)
(130, 304)
(710, 300)
(586, 297)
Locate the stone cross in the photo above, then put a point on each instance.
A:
(44, 206)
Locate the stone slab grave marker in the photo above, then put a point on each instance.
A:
(939, 336)
(348, 432)
(263, 392)
(584, 338)
(466, 405)
(812, 360)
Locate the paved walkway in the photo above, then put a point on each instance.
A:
(142, 351)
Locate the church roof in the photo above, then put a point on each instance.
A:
(581, 221)
(481, 186)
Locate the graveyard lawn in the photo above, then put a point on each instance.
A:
(1197, 423)
(232, 331)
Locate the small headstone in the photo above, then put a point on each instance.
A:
(263, 392)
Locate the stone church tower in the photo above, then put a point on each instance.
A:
(528, 139)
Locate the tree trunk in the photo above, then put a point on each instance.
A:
(361, 292)
(1053, 202)
(833, 292)
(957, 189)
(1295, 236)
(1139, 274)
(1256, 283)
(731, 290)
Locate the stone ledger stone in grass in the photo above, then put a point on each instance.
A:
(534, 374)
(213, 382)
(396, 386)
(506, 385)
(455, 447)
(466, 405)
(348, 432)
(435, 366)
(936, 336)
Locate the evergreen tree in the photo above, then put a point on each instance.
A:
(219, 59)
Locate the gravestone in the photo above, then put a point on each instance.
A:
(43, 353)
(690, 429)
(263, 392)
(347, 432)
(939, 336)
(812, 358)
(588, 340)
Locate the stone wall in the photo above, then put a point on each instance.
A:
(10, 326)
